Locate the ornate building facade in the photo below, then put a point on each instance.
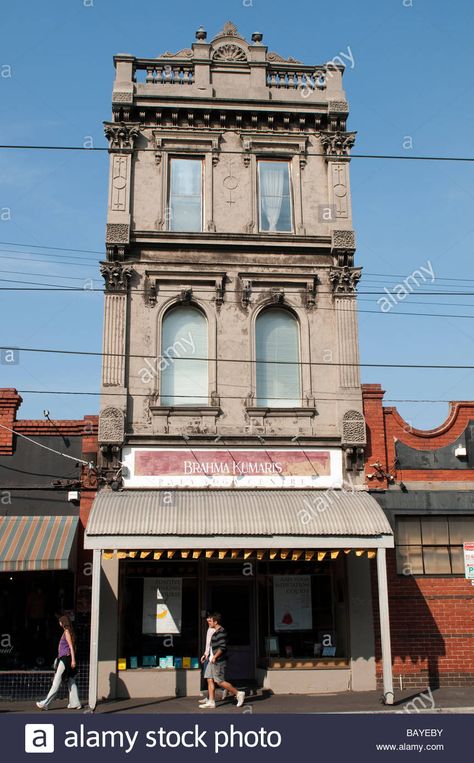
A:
(231, 411)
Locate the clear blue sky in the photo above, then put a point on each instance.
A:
(412, 77)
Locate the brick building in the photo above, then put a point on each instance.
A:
(424, 481)
(45, 499)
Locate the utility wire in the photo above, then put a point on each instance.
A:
(95, 149)
(206, 397)
(157, 359)
(40, 445)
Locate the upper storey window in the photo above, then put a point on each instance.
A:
(185, 202)
(278, 359)
(274, 196)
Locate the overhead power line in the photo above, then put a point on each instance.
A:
(206, 397)
(99, 149)
(92, 353)
(45, 447)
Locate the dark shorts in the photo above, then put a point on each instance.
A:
(216, 671)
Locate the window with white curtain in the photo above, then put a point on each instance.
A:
(274, 196)
(185, 199)
(183, 361)
(277, 359)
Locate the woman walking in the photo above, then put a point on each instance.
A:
(65, 667)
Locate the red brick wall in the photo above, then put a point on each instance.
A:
(431, 618)
(10, 401)
(431, 627)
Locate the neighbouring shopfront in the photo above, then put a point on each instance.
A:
(37, 558)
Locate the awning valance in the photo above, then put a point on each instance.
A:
(233, 518)
(36, 543)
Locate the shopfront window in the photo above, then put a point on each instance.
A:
(160, 618)
(30, 604)
(302, 612)
(432, 545)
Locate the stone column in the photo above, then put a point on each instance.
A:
(343, 282)
(112, 416)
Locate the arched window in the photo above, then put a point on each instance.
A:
(277, 356)
(184, 378)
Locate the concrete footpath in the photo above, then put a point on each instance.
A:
(444, 700)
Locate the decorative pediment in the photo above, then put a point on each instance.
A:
(195, 142)
(276, 58)
(229, 30)
(229, 52)
(274, 145)
(184, 53)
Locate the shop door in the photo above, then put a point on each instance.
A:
(234, 600)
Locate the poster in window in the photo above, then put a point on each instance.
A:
(162, 605)
(292, 602)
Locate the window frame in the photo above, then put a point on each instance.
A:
(164, 400)
(273, 159)
(258, 399)
(421, 545)
(188, 158)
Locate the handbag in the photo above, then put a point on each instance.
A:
(69, 672)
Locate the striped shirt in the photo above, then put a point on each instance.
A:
(219, 641)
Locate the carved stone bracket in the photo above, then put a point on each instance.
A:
(343, 246)
(150, 293)
(116, 275)
(121, 136)
(246, 292)
(278, 296)
(337, 115)
(354, 458)
(111, 426)
(337, 144)
(344, 280)
(116, 239)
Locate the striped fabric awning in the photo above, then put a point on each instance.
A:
(36, 543)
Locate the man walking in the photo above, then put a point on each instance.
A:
(215, 670)
(206, 655)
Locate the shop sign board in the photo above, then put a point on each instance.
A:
(292, 603)
(469, 560)
(162, 605)
(229, 468)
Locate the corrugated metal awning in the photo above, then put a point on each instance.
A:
(160, 517)
(36, 543)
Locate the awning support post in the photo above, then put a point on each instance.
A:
(385, 627)
(94, 644)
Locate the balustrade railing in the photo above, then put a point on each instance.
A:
(161, 73)
(314, 79)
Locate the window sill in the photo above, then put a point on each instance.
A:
(186, 410)
(297, 411)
